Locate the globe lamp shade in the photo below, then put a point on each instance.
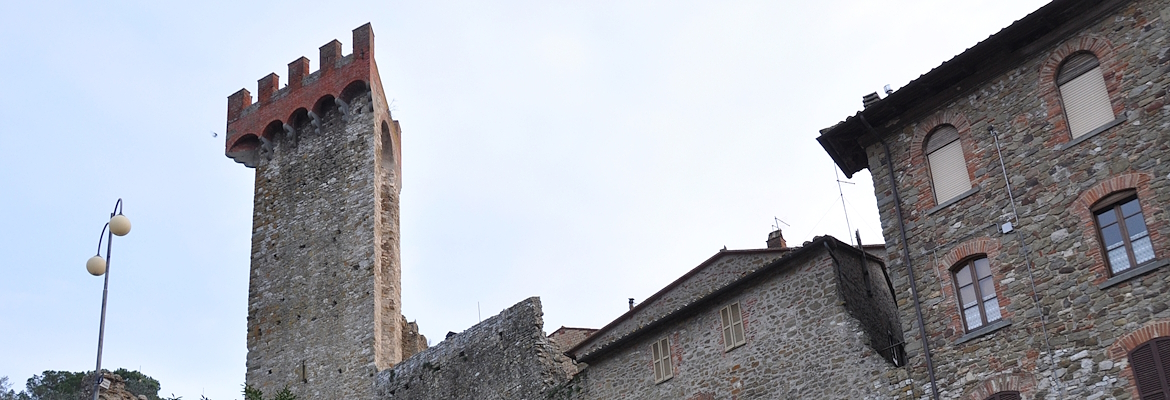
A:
(120, 225)
(96, 265)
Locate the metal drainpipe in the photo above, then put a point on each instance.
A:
(906, 256)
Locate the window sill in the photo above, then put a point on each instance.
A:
(984, 330)
(953, 200)
(1133, 273)
(1094, 132)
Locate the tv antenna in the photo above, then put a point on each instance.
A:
(776, 223)
(849, 228)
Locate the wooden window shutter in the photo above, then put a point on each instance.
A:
(1083, 94)
(732, 319)
(1005, 396)
(1149, 362)
(660, 351)
(736, 325)
(948, 168)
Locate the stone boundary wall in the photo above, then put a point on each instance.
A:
(504, 357)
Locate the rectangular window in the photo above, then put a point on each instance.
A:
(1123, 233)
(1086, 102)
(732, 320)
(661, 352)
(977, 298)
(948, 166)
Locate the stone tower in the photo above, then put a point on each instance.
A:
(323, 300)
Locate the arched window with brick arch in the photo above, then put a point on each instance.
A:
(1008, 395)
(1150, 362)
(948, 167)
(975, 285)
(1083, 94)
(1122, 231)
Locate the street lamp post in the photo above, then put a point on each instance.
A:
(118, 225)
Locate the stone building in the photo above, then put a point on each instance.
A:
(1022, 188)
(816, 321)
(1022, 192)
(812, 321)
(324, 309)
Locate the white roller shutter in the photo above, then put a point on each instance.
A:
(1086, 102)
(948, 170)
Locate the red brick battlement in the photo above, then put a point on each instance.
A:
(340, 77)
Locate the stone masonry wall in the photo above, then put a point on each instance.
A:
(567, 338)
(801, 344)
(866, 294)
(504, 357)
(1054, 246)
(720, 270)
(311, 315)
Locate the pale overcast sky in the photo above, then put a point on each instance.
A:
(584, 152)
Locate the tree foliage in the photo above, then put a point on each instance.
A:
(56, 385)
(66, 385)
(251, 393)
(6, 392)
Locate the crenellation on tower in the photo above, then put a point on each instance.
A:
(305, 90)
(297, 71)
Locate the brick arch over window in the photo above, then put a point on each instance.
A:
(1082, 208)
(1111, 68)
(977, 247)
(1023, 383)
(969, 248)
(1120, 349)
(926, 198)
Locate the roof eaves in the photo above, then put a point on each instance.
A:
(1033, 33)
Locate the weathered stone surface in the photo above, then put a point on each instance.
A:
(718, 271)
(504, 357)
(324, 299)
(803, 337)
(117, 390)
(1049, 272)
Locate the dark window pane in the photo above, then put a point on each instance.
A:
(1111, 235)
(967, 293)
(1130, 208)
(982, 268)
(1136, 226)
(1106, 217)
(987, 288)
(963, 277)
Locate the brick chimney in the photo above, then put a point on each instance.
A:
(776, 240)
(869, 99)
